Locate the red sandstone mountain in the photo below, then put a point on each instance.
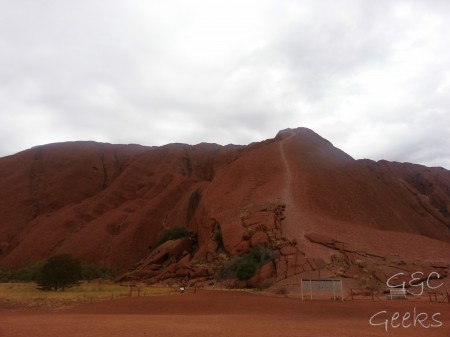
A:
(315, 205)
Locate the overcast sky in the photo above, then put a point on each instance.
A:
(372, 77)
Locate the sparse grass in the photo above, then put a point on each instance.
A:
(27, 296)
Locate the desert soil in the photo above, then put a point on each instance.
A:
(227, 314)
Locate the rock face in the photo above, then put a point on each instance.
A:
(317, 208)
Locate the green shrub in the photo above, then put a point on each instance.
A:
(92, 272)
(27, 273)
(244, 268)
(6, 275)
(171, 234)
(260, 255)
(228, 270)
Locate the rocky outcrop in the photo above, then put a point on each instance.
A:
(374, 269)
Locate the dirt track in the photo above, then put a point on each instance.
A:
(224, 314)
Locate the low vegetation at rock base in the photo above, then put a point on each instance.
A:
(46, 273)
(244, 267)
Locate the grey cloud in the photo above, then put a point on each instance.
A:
(327, 46)
(152, 73)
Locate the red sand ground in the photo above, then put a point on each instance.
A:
(225, 314)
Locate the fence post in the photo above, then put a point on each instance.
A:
(301, 287)
(310, 289)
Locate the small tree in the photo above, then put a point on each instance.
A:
(59, 271)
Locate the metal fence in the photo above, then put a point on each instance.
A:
(322, 288)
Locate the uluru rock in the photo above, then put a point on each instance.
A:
(108, 204)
